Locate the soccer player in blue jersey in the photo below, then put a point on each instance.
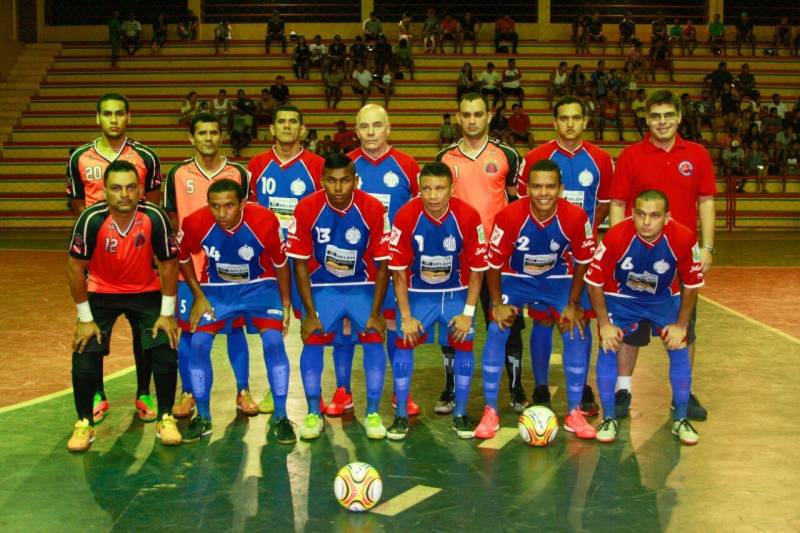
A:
(438, 257)
(636, 275)
(281, 177)
(338, 239)
(245, 274)
(538, 252)
(390, 176)
(586, 173)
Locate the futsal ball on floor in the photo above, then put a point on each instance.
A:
(538, 426)
(358, 487)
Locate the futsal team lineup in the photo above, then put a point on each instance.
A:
(376, 249)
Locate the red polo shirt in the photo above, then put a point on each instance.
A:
(684, 174)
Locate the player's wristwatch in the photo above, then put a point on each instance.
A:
(709, 248)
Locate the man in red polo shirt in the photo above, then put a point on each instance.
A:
(684, 172)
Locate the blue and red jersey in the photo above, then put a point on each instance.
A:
(244, 254)
(437, 254)
(627, 266)
(522, 245)
(391, 179)
(341, 246)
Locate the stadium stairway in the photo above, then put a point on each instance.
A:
(57, 113)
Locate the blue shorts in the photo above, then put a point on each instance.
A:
(551, 294)
(435, 307)
(541, 311)
(626, 313)
(337, 302)
(258, 303)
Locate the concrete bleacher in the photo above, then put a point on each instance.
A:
(61, 115)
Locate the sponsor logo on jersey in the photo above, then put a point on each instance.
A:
(394, 238)
(554, 246)
(536, 264)
(390, 179)
(246, 252)
(585, 178)
(179, 236)
(497, 236)
(297, 187)
(686, 168)
(352, 235)
(644, 282)
(601, 250)
(587, 229)
(449, 243)
(387, 226)
(481, 235)
(292, 228)
(661, 266)
(696, 255)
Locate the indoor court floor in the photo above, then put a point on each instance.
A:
(742, 476)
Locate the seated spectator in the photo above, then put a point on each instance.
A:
(404, 28)
(404, 58)
(747, 106)
(590, 110)
(265, 109)
(745, 80)
(241, 131)
(627, 31)
(558, 86)
(786, 137)
(362, 82)
(639, 111)
(596, 34)
(686, 128)
(705, 111)
(519, 125)
(358, 53)
(318, 54)
(189, 27)
(658, 30)
(385, 85)
(790, 163)
(630, 83)
(301, 59)
(490, 83)
(334, 79)
(676, 33)
(782, 36)
(779, 106)
(689, 38)
(733, 163)
(610, 113)
(729, 106)
(344, 140)
(718, 79)
(615, 85)
(384, 56)
(772, 124)
(372, 28)
(448, 132)
(661, 57)
(755, 165)
(311, 142)
(327, 147)
(115, 37)
(745, 33)
(505, 30)
(221, 108)
(280, 91)
(159, 33)
(430, 31)
(577, 82)
(449, 31)
(580, 33)
(512, 84)
(466, 82)
(222, 36)
(337, 53)
(131, 34)
(188, 109)
(716, 36)
(635, 59)
(276, 31)
(470, 30)
(244, 104)
(498, 125)
(599, 81)
(752, 135)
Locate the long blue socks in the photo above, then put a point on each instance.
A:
(239, 356)
(201, 373)
(374, 371)
(493, 357)
(277, 363)
(402, 370)
(541, 349)
(606, 380)
(343, 351)
(574, 361)
(680, 377)
(464, 363)
(184, 360)
(311, 372)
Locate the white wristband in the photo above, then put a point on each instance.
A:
(84, 312)
(469, 310)
(168, 305)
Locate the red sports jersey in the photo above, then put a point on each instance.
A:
(628, 266)
(432, 250)
(86, 167)
(684, 174)
(341, 246)
(121, 259)
(247, 252)
(520, 244)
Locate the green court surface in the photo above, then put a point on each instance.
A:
(740, 477)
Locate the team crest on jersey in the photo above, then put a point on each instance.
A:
(449, 243)
(390, 179)
(297, 187)
(246, 252)
(491, 167)
(585, 178)
(139, 241)
(685, 168)
(77, 244)
(554, 246)
(353, 235)
(661, 266)
(497, 236)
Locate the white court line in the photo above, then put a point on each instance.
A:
(776, 331)
(502, 437)
(406, 500)
(57, 394)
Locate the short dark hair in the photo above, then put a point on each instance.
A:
(290, 108)
(119, 165)
(567, 100)
(652, 194)
(471, 97)
(224, 185)
(113, 97)
(440, 170)
(203, 116)
(336, 160)
(545, 165)
(663, 96)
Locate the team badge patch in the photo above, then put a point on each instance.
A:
(449, 243)
(661, 266)
(554, 246)
(139, 241)
(685, 168)
(77, 244)
(390, 179)
(246, 252)
(297, 187)
(353, 235)
(585, 178)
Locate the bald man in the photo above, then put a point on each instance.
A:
(390, 176)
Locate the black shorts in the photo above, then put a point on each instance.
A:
(141, 309)
(641, 337)
(508, 91)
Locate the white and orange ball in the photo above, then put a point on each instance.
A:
(358, 487)
(538, 426)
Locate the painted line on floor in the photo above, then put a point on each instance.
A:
(57, 394)
(406, 500)
(734, 312)
(500, 439)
